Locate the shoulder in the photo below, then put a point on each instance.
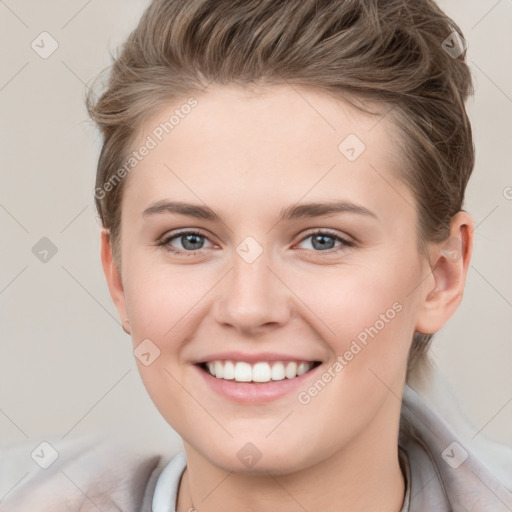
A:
(445, 466)
(79, 475)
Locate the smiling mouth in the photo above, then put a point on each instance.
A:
(241, 371)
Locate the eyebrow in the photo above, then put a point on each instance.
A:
(299, 211)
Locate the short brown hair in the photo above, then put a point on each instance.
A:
(398, 55)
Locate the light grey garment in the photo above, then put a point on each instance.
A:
(446, 475)
(111, 476)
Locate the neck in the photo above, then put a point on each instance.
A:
(362, 476)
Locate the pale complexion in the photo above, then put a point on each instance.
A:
(247, 157)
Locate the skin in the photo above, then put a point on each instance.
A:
(247, 155)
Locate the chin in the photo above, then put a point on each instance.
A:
(259, 458)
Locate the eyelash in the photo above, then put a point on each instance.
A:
(165, 243)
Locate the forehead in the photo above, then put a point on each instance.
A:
(278, 142)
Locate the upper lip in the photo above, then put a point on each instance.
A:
(254, 358)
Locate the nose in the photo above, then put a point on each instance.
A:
(252, 298)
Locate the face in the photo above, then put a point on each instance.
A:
(245, 281)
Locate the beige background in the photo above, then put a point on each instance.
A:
(66, 367)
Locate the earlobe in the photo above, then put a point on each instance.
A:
(451, 260)
(113, 277)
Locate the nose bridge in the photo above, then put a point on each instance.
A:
(252, 296)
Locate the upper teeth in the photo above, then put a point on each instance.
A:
(259, 372)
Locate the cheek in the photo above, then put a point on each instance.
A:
(370, 312)
(159, 296)
(174, 401)
(357, 301)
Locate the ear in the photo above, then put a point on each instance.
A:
(113, 276)
(450, 260)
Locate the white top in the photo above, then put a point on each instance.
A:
(166, 490)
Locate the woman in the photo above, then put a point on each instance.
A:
(281, 190)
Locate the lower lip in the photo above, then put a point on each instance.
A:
(254, 392)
